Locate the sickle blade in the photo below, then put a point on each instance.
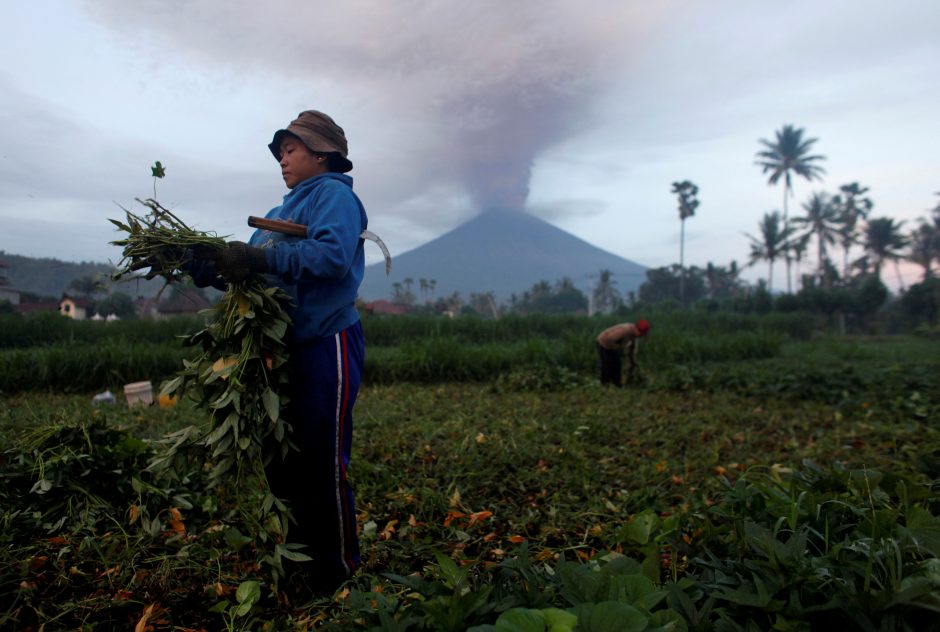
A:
(368, 234)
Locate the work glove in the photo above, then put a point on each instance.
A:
(238, 260)
(203, 272)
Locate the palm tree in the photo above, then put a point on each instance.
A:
(605, 296)
(774, 237)
(798, 245)
(87, 286)
(884, 242)
(851, 208)
(821, 222)
(712, 279)
(733, 273)
(408, 295)
(923, 242)
(687, 205)
(786, 155)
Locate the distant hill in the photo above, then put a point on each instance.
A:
(501, 252)
(51, 277)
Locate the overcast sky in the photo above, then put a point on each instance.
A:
(582, 113)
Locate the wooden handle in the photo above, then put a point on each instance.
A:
(278, 226)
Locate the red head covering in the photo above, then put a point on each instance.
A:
(642, 326)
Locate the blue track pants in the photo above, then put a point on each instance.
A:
(325, 378)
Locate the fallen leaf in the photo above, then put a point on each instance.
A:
(109, 572)
(142, 625)
(545, 555)
(388, 531)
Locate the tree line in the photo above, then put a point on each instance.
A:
(848, 246)
(845, 247)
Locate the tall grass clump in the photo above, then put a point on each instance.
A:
(384, 330)
(51, 328)
(387, 331)
(439, 359)
(83, 368)
(442, 358)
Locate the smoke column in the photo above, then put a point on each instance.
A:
(487, 84)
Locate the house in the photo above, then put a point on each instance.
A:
(7, 293)
(146, 307)
(186, 302)
(75, 308)
(32, 308)
(382, 306)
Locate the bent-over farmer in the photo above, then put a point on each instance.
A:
(616, 342)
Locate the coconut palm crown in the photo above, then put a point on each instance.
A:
(770, 244)
(884, 241)
(787, 154)
(821, 222)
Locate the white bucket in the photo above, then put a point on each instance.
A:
(138, 393)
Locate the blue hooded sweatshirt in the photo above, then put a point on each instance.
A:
(323, 271)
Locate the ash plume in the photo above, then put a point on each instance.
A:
(485, 86)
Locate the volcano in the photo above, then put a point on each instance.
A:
(504, 253)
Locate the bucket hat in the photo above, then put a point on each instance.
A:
(319, 133)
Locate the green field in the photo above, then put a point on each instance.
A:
(761, 474)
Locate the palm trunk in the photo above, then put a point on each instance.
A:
(897, 272)
(786, 252)
(820, 252)
(682, 263)
(845, 264)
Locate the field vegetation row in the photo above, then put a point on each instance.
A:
(59, 354)
(760, 476)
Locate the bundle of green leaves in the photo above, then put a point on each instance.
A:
(238, 373)
(160, 242)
